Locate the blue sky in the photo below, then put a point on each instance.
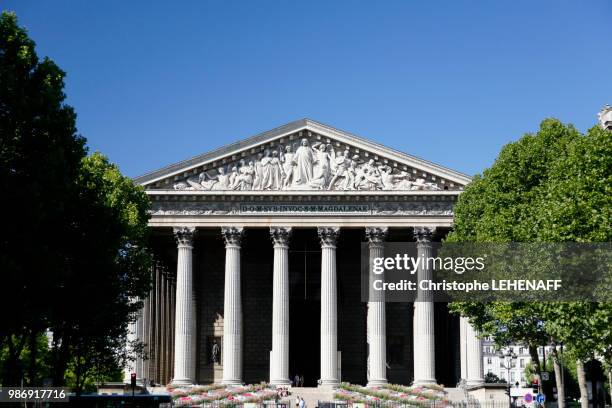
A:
(449, 81)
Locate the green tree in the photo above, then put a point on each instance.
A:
(73, 252)
(40, 157)
(552, 186)
(110, 270)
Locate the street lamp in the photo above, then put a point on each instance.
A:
(506, 362)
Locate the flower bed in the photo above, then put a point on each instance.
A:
(221, 395)
(392, 395)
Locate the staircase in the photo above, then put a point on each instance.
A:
(311, 395)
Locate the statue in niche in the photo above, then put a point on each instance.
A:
(214, 352)
(286, 159)
(304, 159)
(342, 165)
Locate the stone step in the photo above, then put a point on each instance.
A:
(311, 395)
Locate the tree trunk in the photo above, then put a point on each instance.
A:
(584, 393)
(60, 358)
(12, 370)
(32, 372)
(535, 359)
(558, 379)
(610, 383)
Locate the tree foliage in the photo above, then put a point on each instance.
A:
(73, 252)
(552, 186)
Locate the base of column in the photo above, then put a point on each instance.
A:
(474, 383)
(232, 382)
(281, 383)
(377, 383)
(182, 381)
(424, 382)
(329, 383)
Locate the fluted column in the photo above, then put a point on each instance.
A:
(423, 323)
(232, 308)
(329, 307)
(463, 322)
(185, 322)
(473, 356)
(376, 328)
(279, 362)
(132, 336)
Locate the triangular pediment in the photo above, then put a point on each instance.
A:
(303, 156)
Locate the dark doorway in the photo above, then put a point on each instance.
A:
(305, 306)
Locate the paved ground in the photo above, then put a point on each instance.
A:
(311, 395)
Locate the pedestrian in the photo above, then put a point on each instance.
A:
(297, 380)
(297, 402)
(302, 403)
(301, 380)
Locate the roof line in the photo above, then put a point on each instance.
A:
(280, 130)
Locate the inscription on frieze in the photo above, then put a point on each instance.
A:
(394, 208)
(304, 208)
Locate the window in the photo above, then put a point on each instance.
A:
(512, 376)
(521, 350)
(522, 363)
(489, 360)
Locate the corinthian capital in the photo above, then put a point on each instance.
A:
(184, 236)
(328, 236)
(232, 235)
(423, 234)
(280, 235)
(376, 235)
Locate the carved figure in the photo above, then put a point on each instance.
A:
(288, 165)
(322, 171)
(342, 163)
(310, 167)
(273, 173)
(304, 160)
(223, 180)
(246, 176)
(258, 172)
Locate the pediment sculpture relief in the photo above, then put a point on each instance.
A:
(305, 167)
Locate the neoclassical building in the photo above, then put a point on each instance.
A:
(257, 265)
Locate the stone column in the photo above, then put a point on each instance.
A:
(329, 307)
(185, 323)
(132, 367)
(377, 332)
(423, 323)
(232, 308)
(463, 322)
(473, 357)
(279, 363)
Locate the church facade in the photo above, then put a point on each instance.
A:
(257, 265)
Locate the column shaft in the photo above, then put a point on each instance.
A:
(475, 375)
(376, 320)
(423, 323)
(329, 307)
(279, 362)
(232, 308)
(185, 323)
(463, 322)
